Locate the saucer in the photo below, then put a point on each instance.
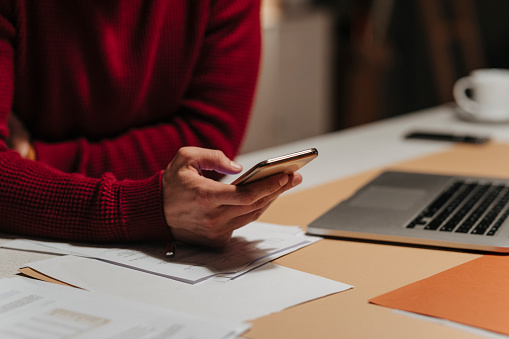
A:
(464, 115)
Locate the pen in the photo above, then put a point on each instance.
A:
(464, 138)
(170, 249)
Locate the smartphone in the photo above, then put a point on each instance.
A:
(288, 163)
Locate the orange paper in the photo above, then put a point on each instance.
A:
(475, 293)
(37, 275)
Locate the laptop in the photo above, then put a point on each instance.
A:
(469, 213)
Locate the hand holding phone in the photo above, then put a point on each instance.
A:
(288, 163)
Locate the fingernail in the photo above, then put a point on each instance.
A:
(235, 166)
(283, 180)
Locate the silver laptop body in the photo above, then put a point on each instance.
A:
(425, 209)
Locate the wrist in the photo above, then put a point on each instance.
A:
(30, 154)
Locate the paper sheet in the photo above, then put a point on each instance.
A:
(267, 289)
(40, 310)
(251, 246)
(474, 293)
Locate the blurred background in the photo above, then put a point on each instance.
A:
(333, 64)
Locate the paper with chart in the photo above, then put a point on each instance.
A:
(40, 310)
(251, 246)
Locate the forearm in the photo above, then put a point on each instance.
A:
(37, 200)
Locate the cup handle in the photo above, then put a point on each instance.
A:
(464, 102)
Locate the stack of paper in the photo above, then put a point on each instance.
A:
(251, 246)
(206, 283)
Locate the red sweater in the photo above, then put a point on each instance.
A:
(109, 91)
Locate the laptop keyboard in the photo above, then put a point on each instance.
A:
(466, 207)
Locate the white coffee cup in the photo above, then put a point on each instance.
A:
(489, 99)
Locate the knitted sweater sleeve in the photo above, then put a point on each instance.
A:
(213, 112)
(42, 198)
(39, 200)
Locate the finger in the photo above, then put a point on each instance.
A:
(234, 211)
(247, 218)
(286, 182)
(232, 218)
(230, 212)
(230, 196)
(208, 159)
(222, 238)
(247, 194)
(295, 179)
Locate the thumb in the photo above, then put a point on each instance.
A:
(214, 160)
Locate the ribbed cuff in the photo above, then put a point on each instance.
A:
(142, 209)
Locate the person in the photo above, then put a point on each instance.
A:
(118, 117)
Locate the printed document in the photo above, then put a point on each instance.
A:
(40, 310)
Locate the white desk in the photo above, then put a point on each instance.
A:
(375, 145)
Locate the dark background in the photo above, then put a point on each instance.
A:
(386, 72)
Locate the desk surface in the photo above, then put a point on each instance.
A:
(374, 145)
(372, 268)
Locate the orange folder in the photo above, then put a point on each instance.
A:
(475, 293)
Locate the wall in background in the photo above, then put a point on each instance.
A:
(329, 65)
(293, 99)
(402, 65)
